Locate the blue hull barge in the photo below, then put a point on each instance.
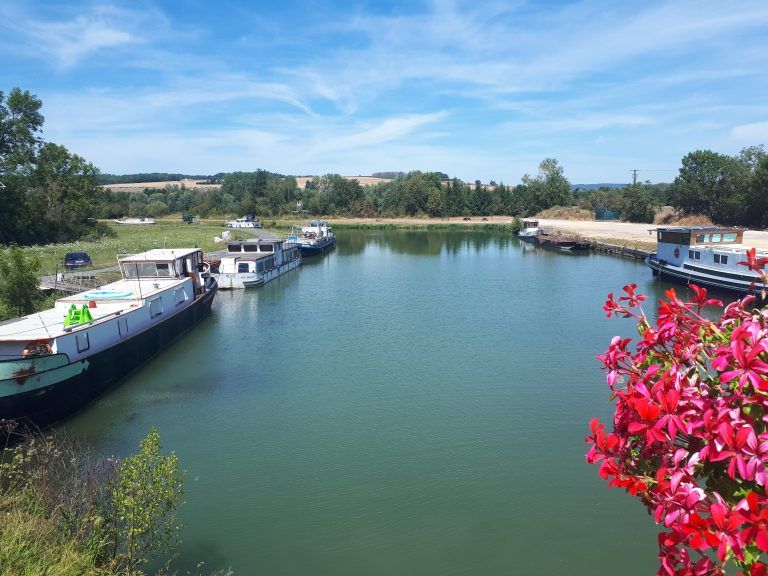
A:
(705, 256)
(314, 239)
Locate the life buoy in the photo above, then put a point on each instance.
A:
(677, 252)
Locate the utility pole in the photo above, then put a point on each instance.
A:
(634, 176)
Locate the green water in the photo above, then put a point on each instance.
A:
(412, 403)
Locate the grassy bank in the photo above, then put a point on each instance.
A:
(130, 239)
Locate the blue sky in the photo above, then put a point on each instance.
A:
(480, 90)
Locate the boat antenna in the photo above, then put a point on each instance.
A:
(138, 280)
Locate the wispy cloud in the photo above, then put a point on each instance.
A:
(459, 85)
(751, 133)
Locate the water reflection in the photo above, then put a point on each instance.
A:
(422, 242)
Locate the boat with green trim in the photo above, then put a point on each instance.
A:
(54, 362)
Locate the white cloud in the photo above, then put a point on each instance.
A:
(754, 133)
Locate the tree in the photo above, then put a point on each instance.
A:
(757, 195)
(549, 188)
(148, 490)
(638, 203)
(20, 125)
(63, 190)
(19, 285)
(711, 184)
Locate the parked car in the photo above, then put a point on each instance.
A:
(77, 260)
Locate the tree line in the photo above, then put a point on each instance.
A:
(412, 194)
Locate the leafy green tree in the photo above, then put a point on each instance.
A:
(63, 191)
(757, 195)
(20, 126)
(638, 203)
(19, 285)
(482, 200)
(711, 184)
(145, 496)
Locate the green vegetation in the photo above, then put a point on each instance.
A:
(727, 189)
(128, 240)
(66, 511)
(19, 285)
(48, 194)
(636, 202)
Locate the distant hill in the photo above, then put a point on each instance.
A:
(154, 177)
(596, 186)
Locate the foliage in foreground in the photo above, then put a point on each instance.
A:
(19, 286)
(690, 434)
(67, 512)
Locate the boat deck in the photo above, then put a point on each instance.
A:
(108, 300)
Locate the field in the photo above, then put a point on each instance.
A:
(131, 239)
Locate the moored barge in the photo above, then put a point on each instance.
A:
(54, 362)
(253, 263)
(706, 256)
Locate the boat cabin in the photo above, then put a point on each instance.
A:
(708, 244)
(256, 256)
(530, 224)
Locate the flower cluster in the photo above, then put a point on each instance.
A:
(690, 429)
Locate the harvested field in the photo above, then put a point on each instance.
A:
(139, 186)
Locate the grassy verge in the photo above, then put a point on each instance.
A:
(130, 239)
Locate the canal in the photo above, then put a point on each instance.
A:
(412, 403)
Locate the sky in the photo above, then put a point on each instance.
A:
(478, 90)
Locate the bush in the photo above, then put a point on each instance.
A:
(66, 511)
(19, 284)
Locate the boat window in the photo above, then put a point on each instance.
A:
(717, 258)
(83, 342)
(251, 247)
(700, 238)
(690, 253)
(233, 248)
(267, 248)
(155, 307)
(242, 267)
(697, 255)
(146, 269)
(706, 237)
(729, 237)
(723, 259)
(179, 296)
(716, 237)
(122, 326)
(260, 267)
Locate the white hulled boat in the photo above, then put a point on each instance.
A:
(706, 256)
(530, 230)
(54, 362)
(252, 263)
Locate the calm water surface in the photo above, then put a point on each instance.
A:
(412, 403)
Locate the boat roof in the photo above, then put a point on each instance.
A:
(109, 299)
(159, 254)
(700, 228)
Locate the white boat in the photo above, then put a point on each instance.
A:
(135, 221)
(314, 238)
(530, 230)
(253, 263)
(244, 223)
(706, 256)
(54, 362)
